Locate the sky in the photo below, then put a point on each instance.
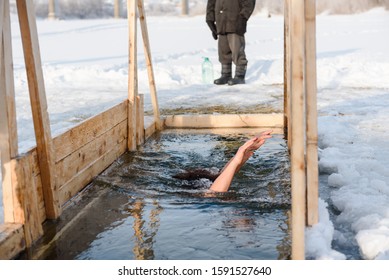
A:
(85, 71)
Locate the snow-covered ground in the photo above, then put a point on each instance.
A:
(85, 70)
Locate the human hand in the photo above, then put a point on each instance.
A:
(248, 148)
(212, 26)
(223, 181)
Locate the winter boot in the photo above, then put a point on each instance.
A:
(226, 75)
(240, 73)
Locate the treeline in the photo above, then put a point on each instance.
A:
(330, 6)
(105, 8)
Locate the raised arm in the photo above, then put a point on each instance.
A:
(223, 181)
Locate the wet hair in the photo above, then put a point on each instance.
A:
(196, 174)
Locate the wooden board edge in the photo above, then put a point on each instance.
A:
(87, 126)
(224, 121)
(11, 240)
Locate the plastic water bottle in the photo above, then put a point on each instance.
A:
(207, 71)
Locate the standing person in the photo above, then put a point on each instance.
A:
(227, 20)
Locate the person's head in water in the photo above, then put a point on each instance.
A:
(198, 173)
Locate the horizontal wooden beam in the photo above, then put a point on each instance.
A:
(73, 139)
(86, 175)
(224, 121)
(70, 166)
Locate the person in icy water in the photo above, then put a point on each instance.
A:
(222, 180)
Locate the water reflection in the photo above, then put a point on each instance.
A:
(284, 247)
(144, 233)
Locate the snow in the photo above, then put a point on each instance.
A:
(318, 244)
(85, 71)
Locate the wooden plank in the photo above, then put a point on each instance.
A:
(41, 202)
(85, 176)
(26, 12)
(5, 155)
(37, 181)
(287, 68)
(11, 240)
(311, 112)
(8, 128)
(298, 132)
(73, 139)
(19, 181)
(290, 76)
(25, 197)
(35, 162)
(223, 121)
(5, 162)
(149, 127)
(78, 137)
(150, 71)
(140, 130)
(9, 81)
(70, 166)
(132, 74)
(33, 157)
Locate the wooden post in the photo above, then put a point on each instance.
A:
(132, 74)
(146, 45)
(286, 69)
(140, 130)
(26, 12)
(116, 8)
(51, 9)
(185, 7)
(9, 80)
(25, 199)
(288, 66)
(298, 132)
(8, 126)
(311, 111)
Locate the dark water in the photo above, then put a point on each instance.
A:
(136, 209)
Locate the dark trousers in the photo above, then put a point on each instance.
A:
(231, 49)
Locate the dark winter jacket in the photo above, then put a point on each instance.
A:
(230, 15)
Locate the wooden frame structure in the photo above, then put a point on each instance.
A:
(38, 184)
(300, 111)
